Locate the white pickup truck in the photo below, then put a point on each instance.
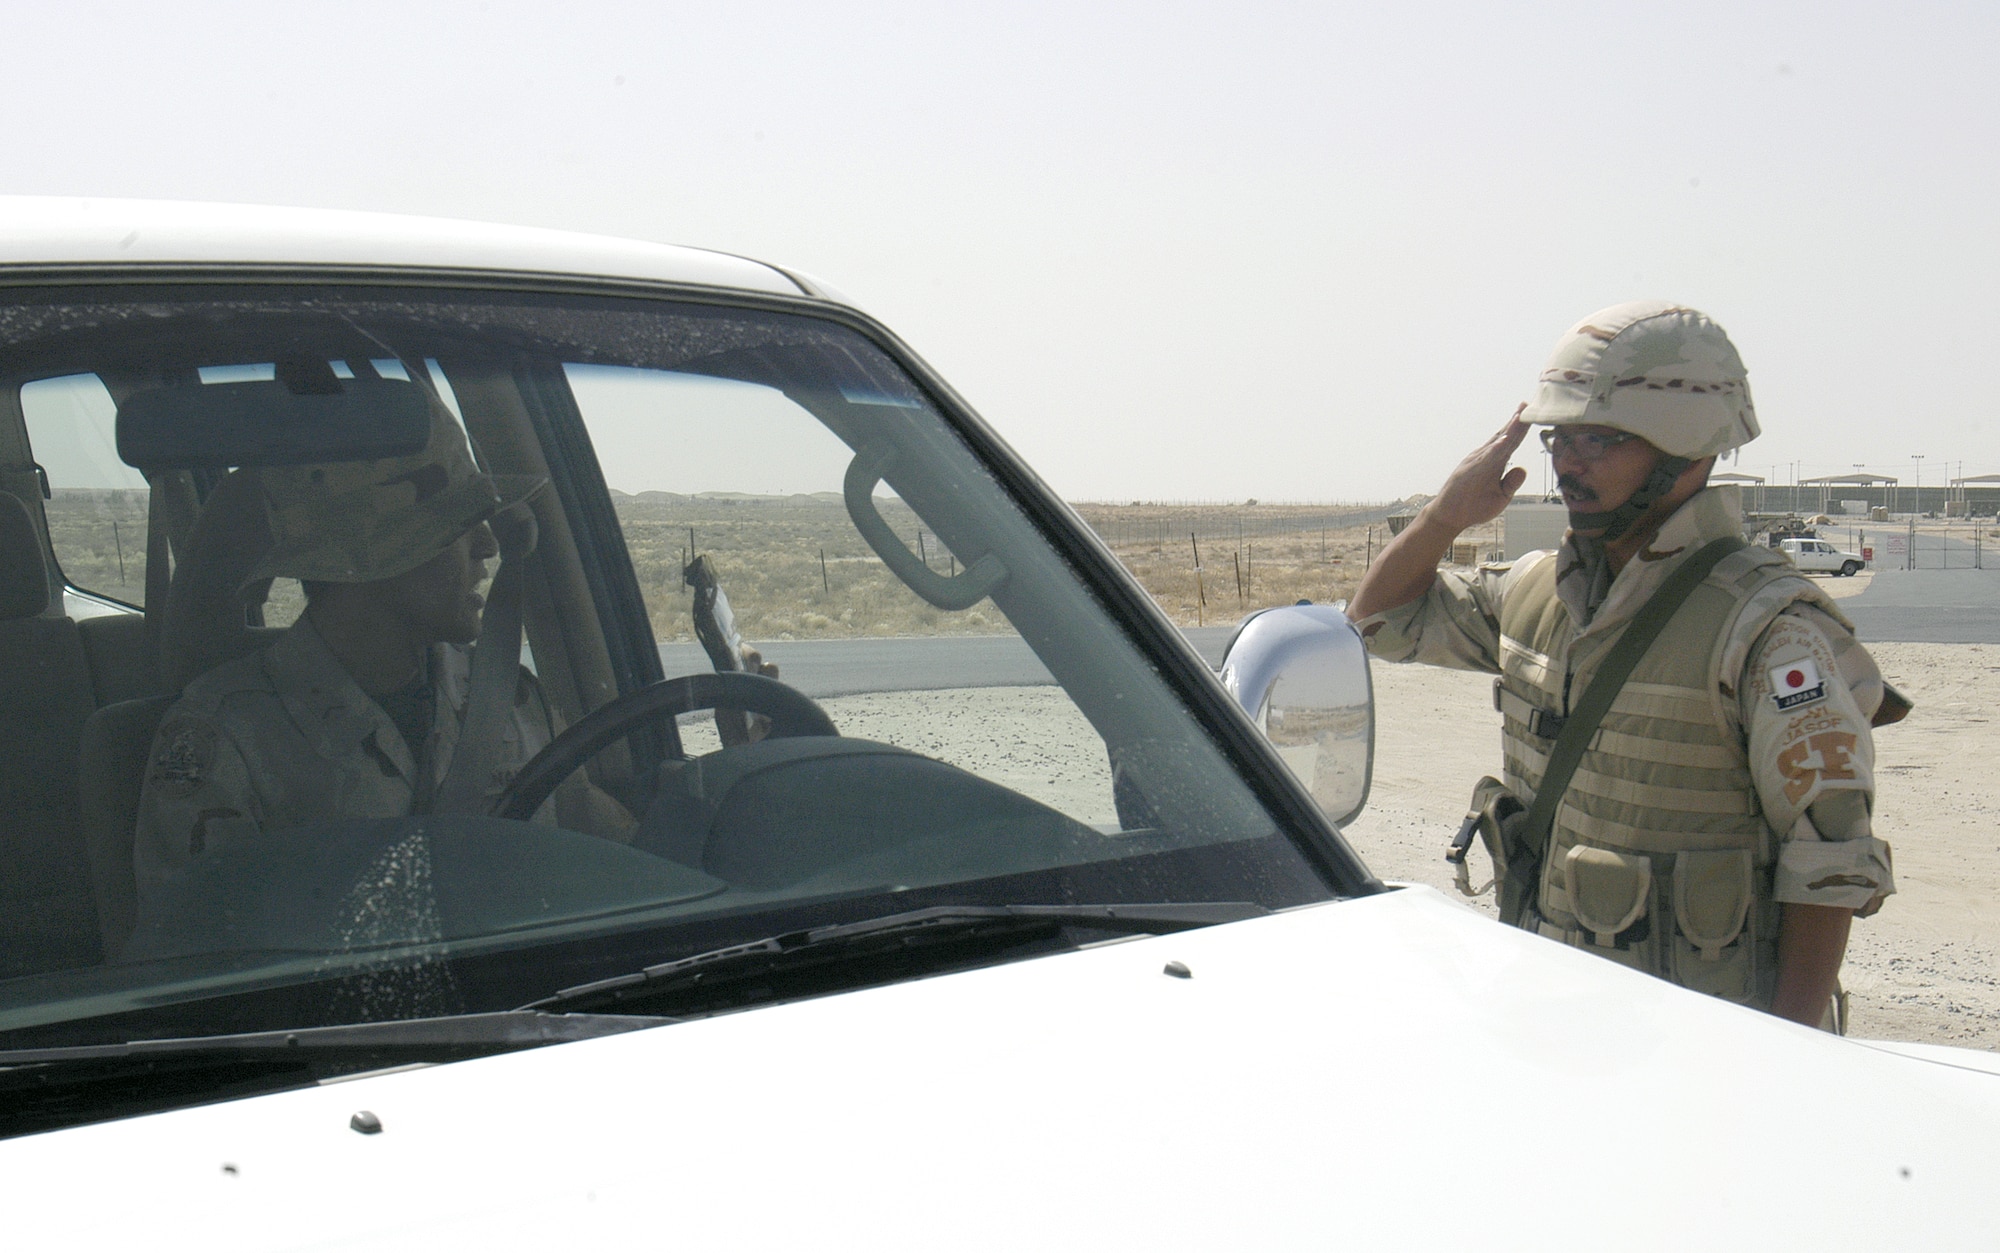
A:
(1816, 556)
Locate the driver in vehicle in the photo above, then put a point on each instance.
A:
(356, 710)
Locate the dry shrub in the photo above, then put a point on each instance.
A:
(767, 552)
(1252, 555)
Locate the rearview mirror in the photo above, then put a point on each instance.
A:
(272, 422)
(1301, 673)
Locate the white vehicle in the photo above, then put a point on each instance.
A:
(1075, 962)
(1816, 556)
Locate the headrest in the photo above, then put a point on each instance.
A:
(24, 578)
(204, 624)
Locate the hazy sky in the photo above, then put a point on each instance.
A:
(1171, 251)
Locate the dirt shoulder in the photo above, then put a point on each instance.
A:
(1927, 968)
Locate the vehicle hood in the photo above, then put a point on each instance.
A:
(1394, 1071)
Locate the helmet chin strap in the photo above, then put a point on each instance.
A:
(1615, 522)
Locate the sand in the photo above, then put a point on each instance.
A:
(1926, 968)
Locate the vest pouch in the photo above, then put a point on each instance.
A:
(1499, 817)
(1714, 951)
(1523, 876)
(1608, 892)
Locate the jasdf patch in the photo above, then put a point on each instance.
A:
(187, 750)
(1796, 683)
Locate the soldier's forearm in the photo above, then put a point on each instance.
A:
(1812, 940)
(1405, 569)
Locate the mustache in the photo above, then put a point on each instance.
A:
(1570, 486)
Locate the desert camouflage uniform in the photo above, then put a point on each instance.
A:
(285, 737)
(1810, 763)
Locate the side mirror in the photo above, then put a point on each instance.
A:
(1301, 673)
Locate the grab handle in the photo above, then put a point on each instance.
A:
(953, 592)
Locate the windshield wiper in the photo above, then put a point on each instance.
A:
(466, 1035)
(886, 948)
(45, 1088)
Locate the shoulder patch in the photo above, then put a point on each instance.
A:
(1797, 683)
(184, 757)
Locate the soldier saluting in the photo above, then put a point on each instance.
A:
(1714, 827)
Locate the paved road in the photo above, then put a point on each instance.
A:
(822, 668)
(1954, 606)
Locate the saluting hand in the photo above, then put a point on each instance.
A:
(1482, 486)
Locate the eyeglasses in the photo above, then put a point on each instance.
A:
(1584, 445)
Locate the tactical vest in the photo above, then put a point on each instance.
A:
(1659, 856)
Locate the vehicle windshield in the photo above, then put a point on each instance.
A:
(414, 652)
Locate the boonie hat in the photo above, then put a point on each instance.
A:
(359, 521)
(1657, 370)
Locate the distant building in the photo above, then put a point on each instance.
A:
(1532, 525)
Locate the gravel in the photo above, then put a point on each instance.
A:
(1926, 968)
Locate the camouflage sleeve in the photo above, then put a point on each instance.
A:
(1805, 697)
(1455, 624)
(196, 798)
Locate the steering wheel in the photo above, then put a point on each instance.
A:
(791, 713)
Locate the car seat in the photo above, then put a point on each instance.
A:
(206, 622)
(47, 919)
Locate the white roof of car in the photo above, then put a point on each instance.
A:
(45, 230)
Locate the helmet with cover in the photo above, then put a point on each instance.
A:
(1660, 371)
(360, 521)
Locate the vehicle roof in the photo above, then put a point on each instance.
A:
(67, 230)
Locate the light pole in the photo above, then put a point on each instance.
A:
(1919, 459)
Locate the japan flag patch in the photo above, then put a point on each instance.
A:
(1796, 683)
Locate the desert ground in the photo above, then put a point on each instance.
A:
(1926, 968)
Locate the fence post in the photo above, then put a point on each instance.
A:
(1200, 596)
